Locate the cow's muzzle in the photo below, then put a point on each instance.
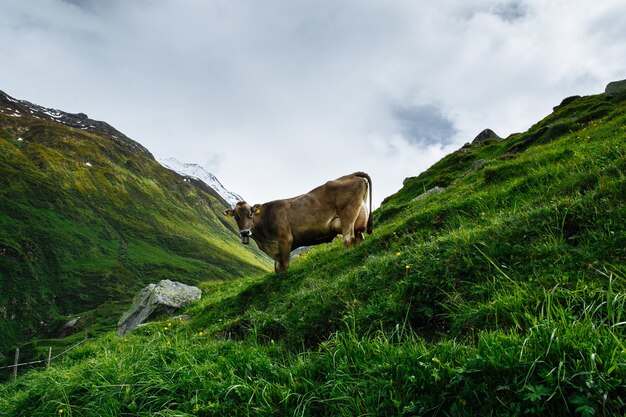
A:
(245, 236)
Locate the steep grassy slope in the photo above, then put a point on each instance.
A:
(502, 294)
(88, 216)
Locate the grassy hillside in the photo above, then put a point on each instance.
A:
(88, 217)
(502, 294)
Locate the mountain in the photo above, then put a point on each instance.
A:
(87, 217)
(11, 107)
(494, 284)
(197, 172)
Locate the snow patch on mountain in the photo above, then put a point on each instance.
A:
(18, 108)
(198, 172)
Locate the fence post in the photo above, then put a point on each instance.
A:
(17, 359)
(49, 356)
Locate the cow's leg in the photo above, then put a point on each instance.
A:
(360, 225)
(348, 236)
(284, 252)
(349, 204)
(279, 266)
(348, 217)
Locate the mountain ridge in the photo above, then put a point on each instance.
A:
(88, 216)
(198, 172)
(21, 108)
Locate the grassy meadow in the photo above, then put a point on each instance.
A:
(503, 294)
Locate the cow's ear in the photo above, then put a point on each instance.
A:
(256, 209)
(229, 213)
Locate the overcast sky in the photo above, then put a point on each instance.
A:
(278, 96)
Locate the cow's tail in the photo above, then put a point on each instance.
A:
(369, 186)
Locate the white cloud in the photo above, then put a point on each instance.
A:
(277, 97)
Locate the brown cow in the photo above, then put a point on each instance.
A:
(280, 226)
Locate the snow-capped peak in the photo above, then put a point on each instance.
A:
(198, 172)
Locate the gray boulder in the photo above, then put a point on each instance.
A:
(484, 135)
(165, 297)
(615, 87)
(478, 164)
(68, 328)
(432, 191)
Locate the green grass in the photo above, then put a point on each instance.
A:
(505, 294)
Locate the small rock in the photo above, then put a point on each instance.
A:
(181, 317)
(434, 190)
(478, 164)
(68, 328)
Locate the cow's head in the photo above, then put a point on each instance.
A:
(244, 216)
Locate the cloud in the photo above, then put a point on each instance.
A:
(423, 124)
(277, 97)
(510, 11)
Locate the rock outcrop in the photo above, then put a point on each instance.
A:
(615, 87)
(486, 134)
(432, 191)
(565, 102)
(165, 297)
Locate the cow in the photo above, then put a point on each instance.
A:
(336, 207)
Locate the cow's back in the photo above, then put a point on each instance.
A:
(315, 217)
